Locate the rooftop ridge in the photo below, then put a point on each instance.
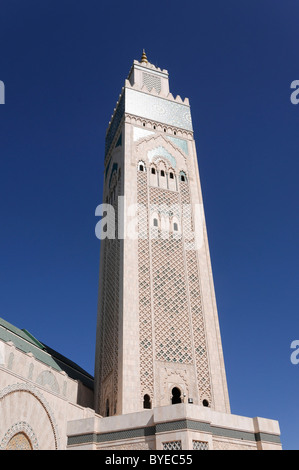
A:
(46, 355)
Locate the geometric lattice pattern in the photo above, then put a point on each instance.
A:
(110, 308)
(170, 301)
(172, 445)
(172, 330)
(152, 81)
(144, 280)
(199, 335)
(170, 309)
(200, 445)
(19, 442)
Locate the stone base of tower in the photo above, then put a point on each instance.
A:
(175, 427)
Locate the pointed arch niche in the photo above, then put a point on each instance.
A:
(157, 147)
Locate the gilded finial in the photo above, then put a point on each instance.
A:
(144, 58)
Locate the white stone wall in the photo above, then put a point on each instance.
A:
(186, 427)
(36, 400)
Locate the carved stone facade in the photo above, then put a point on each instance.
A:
(37, 396)
(158, 325)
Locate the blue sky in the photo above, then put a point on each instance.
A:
(63, 64)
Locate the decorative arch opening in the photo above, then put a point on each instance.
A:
(47, 379)
(175, 227)
(107, 408)
(153, 175)
(176, 396)
(155, 222)
(162, 178)
(141, 166)
(183, 176)
(24, 427)
(147, 402)
(172, 180)
(20, 441)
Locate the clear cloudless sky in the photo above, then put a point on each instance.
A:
(63, 64)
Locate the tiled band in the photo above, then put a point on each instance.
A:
(172, 426)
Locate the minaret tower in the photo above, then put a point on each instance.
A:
(158, 338)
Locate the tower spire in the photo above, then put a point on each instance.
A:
(144, 58)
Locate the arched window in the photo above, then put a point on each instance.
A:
(153, 177)
(155, 222)
(176, 396)
(175, 227)
(161, 170)
(172, 183)
(205, 403)
(141, 166)
(183, 176)
(147, 402)
(107, 407)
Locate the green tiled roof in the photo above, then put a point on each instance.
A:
(26, 342)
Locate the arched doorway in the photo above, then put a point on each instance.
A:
(176, 396)
(147, 402)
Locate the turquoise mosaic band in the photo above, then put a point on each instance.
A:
(151, 107)
(158, 109)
